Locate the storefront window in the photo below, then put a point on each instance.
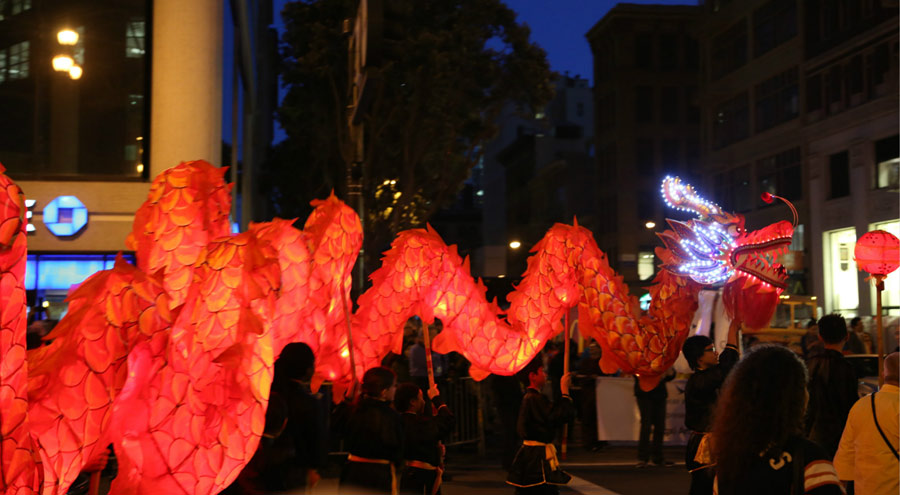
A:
(841, 284)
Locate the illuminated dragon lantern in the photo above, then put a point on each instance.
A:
(171, 360)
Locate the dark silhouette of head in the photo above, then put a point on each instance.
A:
(761, 405)
(534, 366)
(832, 328)
(694, 347)
(855, 321)
(405, 395)
(296, 362)
(377, 380)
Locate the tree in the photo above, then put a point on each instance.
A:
(448, 67)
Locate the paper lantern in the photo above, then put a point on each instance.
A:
(877, 252)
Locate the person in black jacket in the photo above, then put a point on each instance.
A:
(373, 436)
(422, 431)
(700, 394)
(535, 469)
(832, 386)
(652, 406)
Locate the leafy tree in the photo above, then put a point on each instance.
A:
(448, 67)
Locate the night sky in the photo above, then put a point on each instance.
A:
(558, 26)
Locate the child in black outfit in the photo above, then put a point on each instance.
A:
(422, 432)
(374, 438)
(535, 469)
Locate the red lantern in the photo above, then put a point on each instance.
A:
(877, 252)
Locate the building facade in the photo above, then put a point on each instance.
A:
(547, 170)
(799, 99)
(647, 125)
(84, 145)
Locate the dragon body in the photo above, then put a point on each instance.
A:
(171, 360)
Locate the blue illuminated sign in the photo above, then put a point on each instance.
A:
(61, 271)
(65, 216)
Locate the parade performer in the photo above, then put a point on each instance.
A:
(373, 436)
(422, 432)
(700, 394)
(535, 469)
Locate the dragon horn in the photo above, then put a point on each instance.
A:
(682, 196)
(769, 197)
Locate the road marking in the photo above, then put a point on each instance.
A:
(585, 487)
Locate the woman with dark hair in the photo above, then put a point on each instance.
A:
(757, 441)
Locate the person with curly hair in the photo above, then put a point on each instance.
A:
(757, 441)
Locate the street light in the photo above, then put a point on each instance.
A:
(650, 224)
(67, 37)
(64, 62)
(75, 72)
(515, 245)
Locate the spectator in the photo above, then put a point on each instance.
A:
(700, 394)
(854, 344)
(588, 371)
(757, 437)
(810, 343)
(418, 369)
(867, 454)
(507, 391)
(535, 469)
(832, 386)
(373, 438)
(652, 406)
(423, 431)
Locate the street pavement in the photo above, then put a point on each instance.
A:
(611, 471)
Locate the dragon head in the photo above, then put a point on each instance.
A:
(715, 248)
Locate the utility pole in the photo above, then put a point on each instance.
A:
(364, 50)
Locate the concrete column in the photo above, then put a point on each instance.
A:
(862, 156)
(186, 101)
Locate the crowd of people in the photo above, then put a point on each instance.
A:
(771, 421)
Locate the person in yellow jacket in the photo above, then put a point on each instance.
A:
(867, 454)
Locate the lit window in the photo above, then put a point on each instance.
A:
(78, 51)
(17, 67)
(19, 6)
(646, 266)
(134, 39)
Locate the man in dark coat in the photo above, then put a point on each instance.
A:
(832, 386)
(535, 469)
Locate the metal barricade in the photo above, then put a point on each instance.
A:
(465, 399)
